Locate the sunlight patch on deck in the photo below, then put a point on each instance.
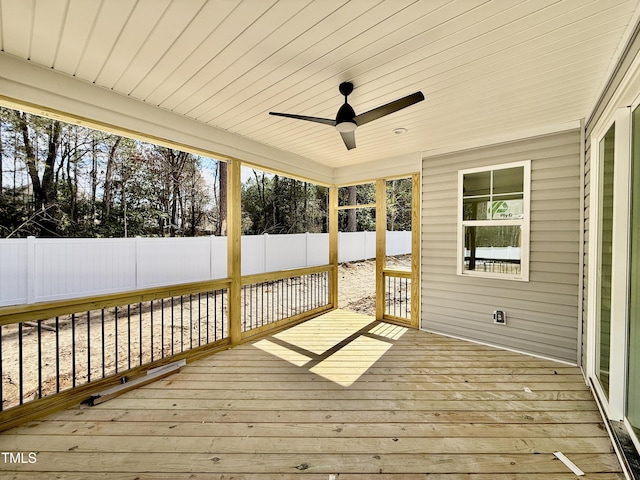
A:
(345, 368)
(282, 352)
(338, 346)
(388, 330)
(324, 332)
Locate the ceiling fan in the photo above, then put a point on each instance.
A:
(346, 120)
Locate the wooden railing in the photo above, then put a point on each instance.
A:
(397, 298)
(269, 298)
(57, 353)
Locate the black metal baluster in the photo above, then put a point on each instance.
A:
(88, 347)
(152, 329)
(214, 313)
(73, 350)
(172, 339)
(129, 336)
(57, 354)
(190, 322)
(162, 327)
(244, 309)
(104, 341)
(115, 340)
(199, 321)
(20, 386)
(264, 298)
(140, 320)
(406, 296)
(274, 301)
(39, 358)
(225, 312)
(222, 314)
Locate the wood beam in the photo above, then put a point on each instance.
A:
(381, 244)
(333, 245)
(234, 233)
(415, 250)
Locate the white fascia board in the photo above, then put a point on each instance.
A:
(30, 84)
(393, 167)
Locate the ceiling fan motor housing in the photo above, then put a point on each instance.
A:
(345, 119)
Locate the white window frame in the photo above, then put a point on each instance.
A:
(524, 223)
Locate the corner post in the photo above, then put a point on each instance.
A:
(234, 233)
(333, 245)
(415, 250)
(381, 244)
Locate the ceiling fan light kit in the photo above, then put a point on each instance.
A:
(346, 120)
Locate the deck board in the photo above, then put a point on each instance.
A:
(343, 395)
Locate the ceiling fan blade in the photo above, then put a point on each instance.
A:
(392, 107)
(349, 139)
(325, 121)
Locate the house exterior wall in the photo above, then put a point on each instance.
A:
(605, 101)
(542, 314)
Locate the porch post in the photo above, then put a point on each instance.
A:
(415, 250)
(381, 244)
(233, 249)
(333, 245)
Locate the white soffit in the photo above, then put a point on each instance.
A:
(487, 68)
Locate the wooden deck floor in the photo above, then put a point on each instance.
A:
(339, 397)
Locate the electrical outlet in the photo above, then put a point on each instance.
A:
(499, 317)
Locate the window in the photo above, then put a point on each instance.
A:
(493, 221)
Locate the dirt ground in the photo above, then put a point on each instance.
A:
(135, 326)
(356, 283)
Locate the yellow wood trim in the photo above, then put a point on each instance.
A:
(279, 325)
(397, 273)
(351, 207)
(397, 320)
(415, 249)
(44, 310)
(234, 233)
(18, 415)
(381, 244)
(333, 244)
(280, 274)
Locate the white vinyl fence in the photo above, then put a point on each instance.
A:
(42, 269)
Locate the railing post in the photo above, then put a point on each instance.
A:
(381, 244)
(333, 245)
(234, 233)
(415, 250)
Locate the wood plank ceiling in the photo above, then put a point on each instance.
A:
(487, 68)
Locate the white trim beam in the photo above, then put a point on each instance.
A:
(51, 92)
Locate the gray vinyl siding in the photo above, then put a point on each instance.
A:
(542, 314)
